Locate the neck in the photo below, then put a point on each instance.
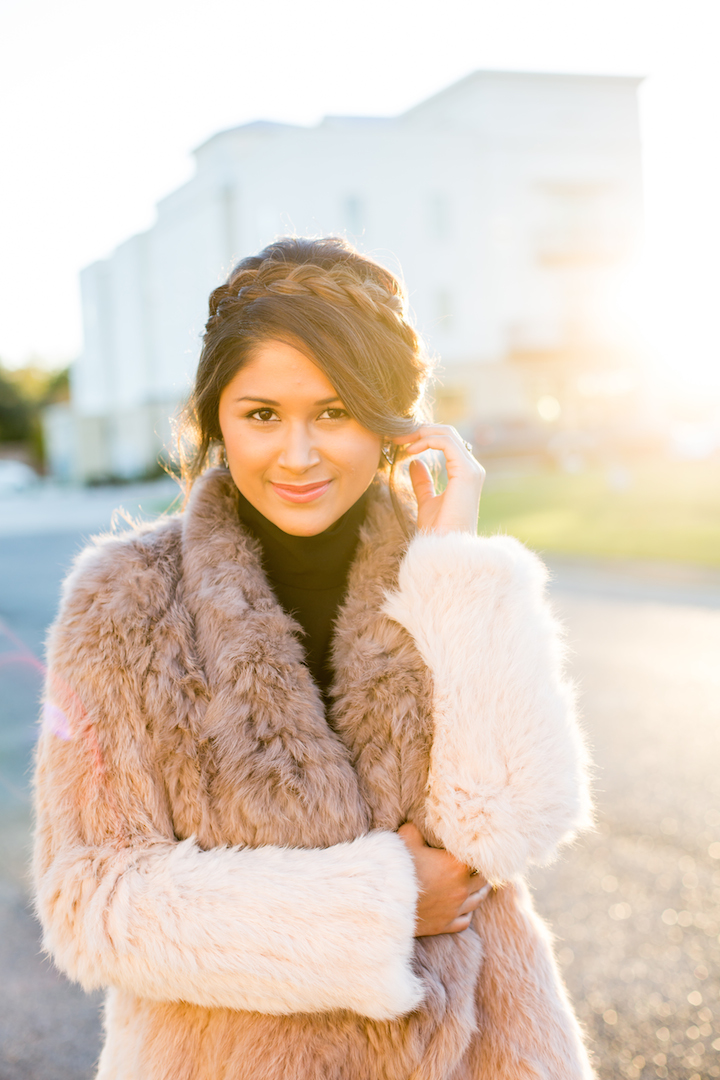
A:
(308, 574)
(289, 558)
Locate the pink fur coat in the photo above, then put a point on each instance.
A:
(223, 858)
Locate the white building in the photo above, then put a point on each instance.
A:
(511, 202)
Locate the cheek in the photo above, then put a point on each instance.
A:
(361, 455)
(243, 452)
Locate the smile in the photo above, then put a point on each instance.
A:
(301, 493)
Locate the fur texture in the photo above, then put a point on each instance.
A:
(271, 929)
(221, 855)
(507, 766)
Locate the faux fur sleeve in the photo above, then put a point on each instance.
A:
(123, 903)
(507, 775)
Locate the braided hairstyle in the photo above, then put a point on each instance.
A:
(345, 312)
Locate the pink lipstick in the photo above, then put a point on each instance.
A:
(301, 493)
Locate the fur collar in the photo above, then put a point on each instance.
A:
(277, 770)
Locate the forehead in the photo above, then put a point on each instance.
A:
(280, 367)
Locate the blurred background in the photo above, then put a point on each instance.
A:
(544, 175)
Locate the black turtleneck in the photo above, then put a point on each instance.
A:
(308, 575)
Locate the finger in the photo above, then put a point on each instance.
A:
(430, 431)
(459, 924)
(411, 834)
(474, 900)
(449, 443)
(471, 879)
(446, 429)
(435, 431)
(422, 481)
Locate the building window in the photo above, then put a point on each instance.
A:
(579, 224)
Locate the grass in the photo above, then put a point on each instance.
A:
(668, 511)
(665, 510)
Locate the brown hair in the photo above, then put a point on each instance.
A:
(347, 313)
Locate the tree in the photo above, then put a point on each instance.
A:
(15, 411)
(24, 393)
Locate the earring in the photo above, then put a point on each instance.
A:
(387, 453)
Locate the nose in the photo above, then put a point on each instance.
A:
(298, 452)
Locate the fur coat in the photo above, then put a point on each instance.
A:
(222, 856)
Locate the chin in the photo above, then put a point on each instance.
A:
(305, 525)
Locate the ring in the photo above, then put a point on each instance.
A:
(468, 446)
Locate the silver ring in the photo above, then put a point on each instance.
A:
(468, 446)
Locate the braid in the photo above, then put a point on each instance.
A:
(339, 286)
(349, 315)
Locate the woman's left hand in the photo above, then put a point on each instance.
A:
(456, 508)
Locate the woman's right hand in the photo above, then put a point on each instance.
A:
(449, 891)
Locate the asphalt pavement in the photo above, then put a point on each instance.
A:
(635, 905)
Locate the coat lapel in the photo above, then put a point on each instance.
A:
(382, 690)
(281, 774)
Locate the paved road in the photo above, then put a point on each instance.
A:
(49, 1030)
(635, 906)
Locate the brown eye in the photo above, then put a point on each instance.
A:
(262, 414)
(334, 414)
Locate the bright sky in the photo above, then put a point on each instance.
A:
(103, 103)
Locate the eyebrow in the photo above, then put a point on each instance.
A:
(268, 401)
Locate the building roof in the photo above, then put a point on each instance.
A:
(490, 75)
(273, 127)
(253, 127)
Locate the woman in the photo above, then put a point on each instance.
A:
(291, 732)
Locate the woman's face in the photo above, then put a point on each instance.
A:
(293, 450)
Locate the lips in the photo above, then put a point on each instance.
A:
(301, 493)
